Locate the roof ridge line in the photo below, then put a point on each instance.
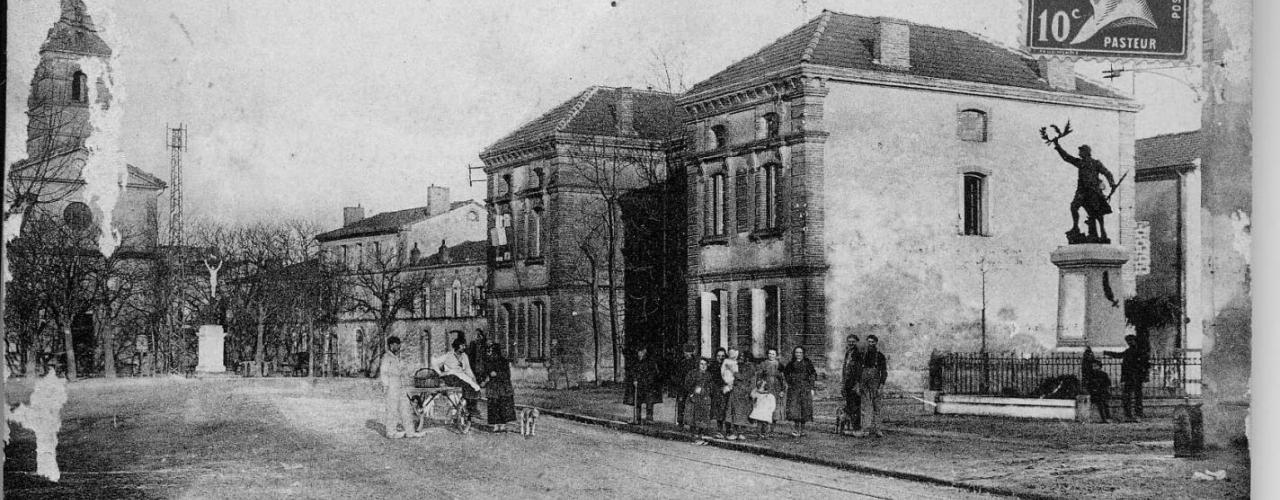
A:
(583, 98)
(817, 36)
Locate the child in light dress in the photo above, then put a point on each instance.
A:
(765, 404)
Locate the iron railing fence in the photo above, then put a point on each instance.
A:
(1053, 374)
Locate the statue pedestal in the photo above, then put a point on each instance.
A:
(1090, 295)
(211, 341)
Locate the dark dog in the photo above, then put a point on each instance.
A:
(1059, 387)
(420, 414)
(529, 422)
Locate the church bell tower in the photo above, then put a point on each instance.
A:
(58, 107)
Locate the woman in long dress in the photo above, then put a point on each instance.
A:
(738, 412)
(719, 397)
(502, 397)
(800, 379)
(775, 383)
(700, 384)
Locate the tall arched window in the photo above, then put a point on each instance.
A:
(715, 223)
(455, 302)
(768, 199)
(535, 232)
(973, 125)
(79, 87)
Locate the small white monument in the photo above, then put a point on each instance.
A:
(211, 342)
(211, 336)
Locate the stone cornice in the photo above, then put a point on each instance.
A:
(902, 80)
(812, 78)
(751, 274)
(784, 84)
(549, 147)
(536, 150)
(746, 148)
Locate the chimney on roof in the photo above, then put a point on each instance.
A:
(1061, 74)
(437, 200)
(893, 43)
(352, 215)
(624, 112)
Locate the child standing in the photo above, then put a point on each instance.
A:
(765, 404)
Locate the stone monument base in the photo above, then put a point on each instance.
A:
(1090, 295)
(211, 350)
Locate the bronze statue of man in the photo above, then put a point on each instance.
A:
(1088, 194)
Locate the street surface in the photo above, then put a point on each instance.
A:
(283, 438)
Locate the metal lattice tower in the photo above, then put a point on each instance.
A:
(177, 144)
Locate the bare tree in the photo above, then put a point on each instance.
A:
(57, 265)
(610, 168)
(121, 288)
(381, 287)
(591, 246)
(247, 260)
(666, 70)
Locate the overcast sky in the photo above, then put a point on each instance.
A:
(299, 107)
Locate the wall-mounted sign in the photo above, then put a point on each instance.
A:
(1108, 29)
(1142, 248)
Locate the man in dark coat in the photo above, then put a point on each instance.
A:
(1098, 384)
(849, 389)
(687, 366)
(645, 384)
(875, 371)
(1133, 373)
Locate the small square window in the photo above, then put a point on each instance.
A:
(972, 126)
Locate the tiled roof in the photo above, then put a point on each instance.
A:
(592, 113)
(383, 223)
(467, 252)
(1168, 150)
(847, 41)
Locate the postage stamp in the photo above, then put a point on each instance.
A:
(1108, 28)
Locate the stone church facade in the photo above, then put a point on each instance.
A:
(49, 188)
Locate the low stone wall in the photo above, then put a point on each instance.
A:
(1050, 409)
(1080, 409)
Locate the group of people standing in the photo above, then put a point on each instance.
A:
(727, 396)
(864, 373)
(1134, 367)
(473, 367)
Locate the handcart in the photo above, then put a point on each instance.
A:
(427, 390)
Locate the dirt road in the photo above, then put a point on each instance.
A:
(289, 439)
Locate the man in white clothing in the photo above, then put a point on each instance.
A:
(455, 371)
(394, 374)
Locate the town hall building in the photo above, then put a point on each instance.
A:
(874, 176)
